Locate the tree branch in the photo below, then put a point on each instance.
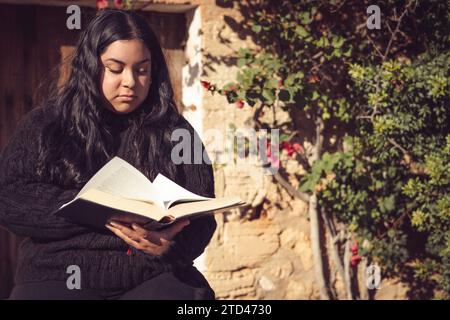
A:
(380, 54)
(336, 256)
(313, 212)
(347, 269)
(290, 189)
(394, 33)
(395, 144)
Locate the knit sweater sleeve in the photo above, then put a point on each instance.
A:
(193, 239)
(26, 203)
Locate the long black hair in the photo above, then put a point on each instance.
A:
(79, 140)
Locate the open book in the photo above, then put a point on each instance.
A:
(118, 191)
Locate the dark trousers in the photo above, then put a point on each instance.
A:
(187, 285)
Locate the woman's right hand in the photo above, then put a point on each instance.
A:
(154, 243)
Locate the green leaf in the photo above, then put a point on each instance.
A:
(305, 18)
(229, 85)
(389, 203)
(337, 42)
(241, 62)
(294, 79)
(323, 42)
(256, 28)
(337, 53)
(348, 53)
(268, 95)
(315, 95)
(301, 31)
(271, 84)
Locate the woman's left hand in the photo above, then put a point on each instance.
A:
(153, 243)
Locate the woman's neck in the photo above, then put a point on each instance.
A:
(119, 121)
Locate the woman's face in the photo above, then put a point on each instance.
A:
(125, 79)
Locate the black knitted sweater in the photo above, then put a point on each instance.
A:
(52, 244)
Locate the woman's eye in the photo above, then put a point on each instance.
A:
(118, 71)
(115, 71)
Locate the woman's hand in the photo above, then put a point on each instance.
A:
(151, 242)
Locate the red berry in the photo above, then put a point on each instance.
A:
(240, 104)
(313, 79)
(118, 4)
(297, 147)
(354, 249)
(288, 147)
(355, 260)
(280, 83)
(102, 4)
(285, 145)
(205, 84)
(290, 152)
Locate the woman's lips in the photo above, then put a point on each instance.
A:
(126, 98)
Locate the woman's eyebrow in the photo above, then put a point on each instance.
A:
(123, 63)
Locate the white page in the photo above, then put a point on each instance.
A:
(171, 191)
(120, 178)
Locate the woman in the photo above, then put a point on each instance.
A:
(118, 100)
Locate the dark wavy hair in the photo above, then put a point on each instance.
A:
(79, 140)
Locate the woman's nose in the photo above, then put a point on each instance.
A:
(128, 80)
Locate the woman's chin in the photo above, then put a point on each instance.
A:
(123, 108)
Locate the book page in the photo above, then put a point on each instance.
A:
(120, 178)
(218, 204)
(172, 192)
(127, 205)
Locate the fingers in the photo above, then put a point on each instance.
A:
(141, 231)
(130, 233)
(151, 242)
(152, 236)
(137, 234)
(155, 248)
(125, 238)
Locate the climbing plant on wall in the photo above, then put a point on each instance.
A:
(381, 186)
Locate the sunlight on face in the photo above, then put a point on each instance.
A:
(125, 79)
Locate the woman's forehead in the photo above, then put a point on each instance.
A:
(127, 52)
